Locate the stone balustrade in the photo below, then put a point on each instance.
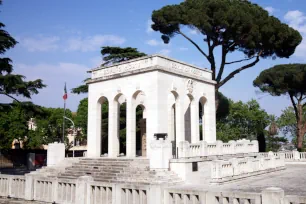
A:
(290, 156)
(86, 191)
(236, 168)
(267, 196)
(204, 148)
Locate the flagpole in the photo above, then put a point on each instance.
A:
(64, 121)
(64, 97)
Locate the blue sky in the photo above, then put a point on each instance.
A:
(60, 40)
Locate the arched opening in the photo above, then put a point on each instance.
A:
(141, 131)
(187, 117)
(202, 103)
(172, 132)
(121, 121)
(103, 120)
(140, 123)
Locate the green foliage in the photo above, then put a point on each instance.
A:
(245, 120)
(81, 117)
(13, 125)
(223, 106)
(49, 127)
(111, 55)
(81, 89)
(288, 79)
(283, 79)
(13, 84)
(232, 25)
(287, 122)
(274, 142)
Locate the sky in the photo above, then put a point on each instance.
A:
(60, 40)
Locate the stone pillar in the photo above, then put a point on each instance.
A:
(55, 153)
(195, 134)
(184, 149)
(162, 151)
(143, 137)
(233, 147)
(130, 129)
(82, 190)
(296, 155)
(273, 196)
(219, 147)
(29, 187)
(203, 148)
(210, 120)
(94, 126)
(180, 131)
(156, 194)
(113, 135)
(255, 146)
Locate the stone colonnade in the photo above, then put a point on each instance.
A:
(170, 101)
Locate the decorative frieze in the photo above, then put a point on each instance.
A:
(154, 62)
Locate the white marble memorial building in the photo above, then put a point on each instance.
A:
(171, 93)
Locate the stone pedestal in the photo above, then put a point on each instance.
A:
(81, 189)
(29, 187)
(55, 153)
(273, 196)
(161, 153)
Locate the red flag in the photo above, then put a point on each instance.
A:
(65, 96)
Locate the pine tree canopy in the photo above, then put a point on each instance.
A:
(111, 55)
(283, 79)
(232, 25)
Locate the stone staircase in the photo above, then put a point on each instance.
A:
(134, 171)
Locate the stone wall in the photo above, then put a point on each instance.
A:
(86, 191)
(203, 148)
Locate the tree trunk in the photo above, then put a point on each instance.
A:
(301, 128)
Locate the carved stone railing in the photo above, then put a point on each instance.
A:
(85, 190)
(267, 196)
(224, 171)
(203, 148)
(12, 186)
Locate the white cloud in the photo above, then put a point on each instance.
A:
(92, 43)
(297, 20)
(149, 29)
(183, 48)
(194, 32)
(165, 52)
(152, 42)
(40, 43)
(270, 9)
(54, 76)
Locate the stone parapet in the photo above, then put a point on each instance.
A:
(237, 168)
(84, 190)
(203, 148)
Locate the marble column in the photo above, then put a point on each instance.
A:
(130, 129)
(113, 126)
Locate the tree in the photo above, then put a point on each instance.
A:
(49, 128)
(288, 125)
(12, 85)
(112, 55)
(231, 25)
(245, 120)
(81, 117)
(287, 79)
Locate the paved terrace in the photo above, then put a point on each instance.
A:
(292, 181)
